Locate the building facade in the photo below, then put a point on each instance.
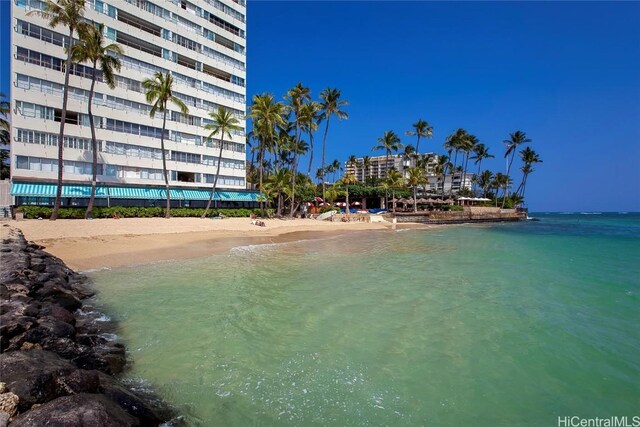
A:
(379, 165)
(202, 43)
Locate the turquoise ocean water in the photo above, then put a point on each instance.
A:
(501, 325)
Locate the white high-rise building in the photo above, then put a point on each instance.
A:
(201, 43)
(378, 166)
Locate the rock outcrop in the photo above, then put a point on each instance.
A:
(56, 366)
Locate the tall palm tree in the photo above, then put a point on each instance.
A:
(468, 143)
(484, 181)
(352, 162)
(296, 98)
(159, 92)
(389, 142)
(516, 139)
(336, 166)
(310, 115)
(266, 115)
(422, 129)
(529, 158)
(92, 49)
(480, 152)
(223, 123)
(503, 181)
(416, 178)
(442, 165)
(347, 180)
(67, 13)
(366, 165)
(408, 154)
(330, 105)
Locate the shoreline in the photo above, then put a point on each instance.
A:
(107, 243)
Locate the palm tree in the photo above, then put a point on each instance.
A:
(310, 118)
(416, 178)
(392, 181)
(500, 181)
(441, 169)
(468, 145)
(92, 49)
(296, 97)
(159, 91)
(347, 180)
(335, 167)
(389, 142)
(480, 152)
(421, 129)
(223, 123)
(408, 154)
(266, 115)
(516, 139)
(484, 181)
(278, 184)
(330, 105)
(68, 13)
(352, 162)
(366, 165)
(529, 158)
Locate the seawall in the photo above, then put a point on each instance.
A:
(468, 215)
(57, 364)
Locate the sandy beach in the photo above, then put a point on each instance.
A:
(105, 243)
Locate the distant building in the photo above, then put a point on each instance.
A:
(379, 167)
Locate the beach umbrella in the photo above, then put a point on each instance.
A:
(423, 200)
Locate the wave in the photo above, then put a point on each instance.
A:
(590, 213)
(254, 248)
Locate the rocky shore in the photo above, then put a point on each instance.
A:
(57, 364)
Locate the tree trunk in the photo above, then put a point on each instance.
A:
(94, 147)
(464, 171)
(506, 184)
(386, 175)
(167, 213)
(311, 154)
(418, 145)
(415, 199)
(215, 179)
(346, 209)
(63, 118)
(294, 166)
(324, 145)
(261, 161)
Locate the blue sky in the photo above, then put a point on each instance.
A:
(566, 73)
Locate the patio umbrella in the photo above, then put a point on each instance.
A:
(356, 204)
(423, 200)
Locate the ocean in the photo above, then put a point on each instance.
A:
(511, 324)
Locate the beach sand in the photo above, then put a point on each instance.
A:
(105, 243)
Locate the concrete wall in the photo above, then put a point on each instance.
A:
(5, 193)
(491, 214)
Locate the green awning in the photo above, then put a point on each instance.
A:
(125, 192)
(49, 190)
(136, 193)
(197, 194)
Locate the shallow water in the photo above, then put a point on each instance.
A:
(508, 324)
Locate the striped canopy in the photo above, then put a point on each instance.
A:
(127, 192)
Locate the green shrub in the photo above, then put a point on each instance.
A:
(34, 212)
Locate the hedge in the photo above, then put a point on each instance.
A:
(34, 212)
